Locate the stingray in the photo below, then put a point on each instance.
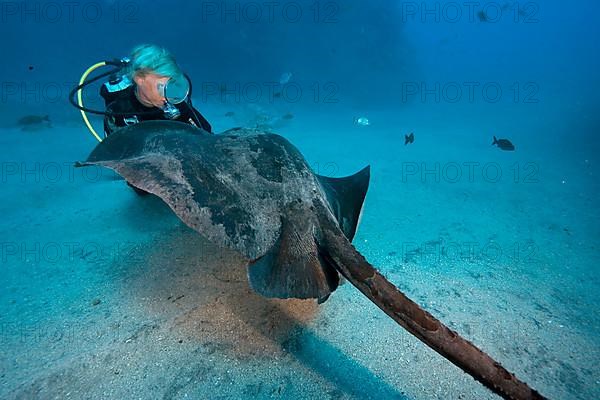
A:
(254, 192)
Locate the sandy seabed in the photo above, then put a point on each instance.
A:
(107, 295)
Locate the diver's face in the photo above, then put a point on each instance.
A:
(150, 89)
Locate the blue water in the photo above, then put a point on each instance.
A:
(500, 245)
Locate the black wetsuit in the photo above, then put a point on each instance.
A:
(125, 101)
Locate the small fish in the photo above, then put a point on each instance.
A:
(288, 116)
(277, 95)
(512, 6)
(229, 114)
(29, 121)
(33, 119)
(410, 138)
(361, 121)
(285, 78)
(482, 16)
(503, 144)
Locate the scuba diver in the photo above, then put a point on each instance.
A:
(151, 87)
(147, 86)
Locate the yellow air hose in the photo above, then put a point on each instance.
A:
(80, 101)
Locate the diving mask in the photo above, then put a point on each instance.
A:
(175, 91)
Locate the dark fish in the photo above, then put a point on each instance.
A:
(410, 138)
(31, 67)
(288, 116)
(482, 16)
(503, 144)
(229, 114)
(277, 95)
(31, 120)
(521, 10)
(295, 227)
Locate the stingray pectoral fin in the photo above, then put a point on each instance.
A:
(464, 354)
(346, 197)
(154, 173)
(293, 267)
(164, 176)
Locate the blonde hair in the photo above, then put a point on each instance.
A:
(149, 58)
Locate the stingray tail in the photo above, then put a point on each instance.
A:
(355, 268)
(495, 141)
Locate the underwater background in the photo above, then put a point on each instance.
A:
(104, 294)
